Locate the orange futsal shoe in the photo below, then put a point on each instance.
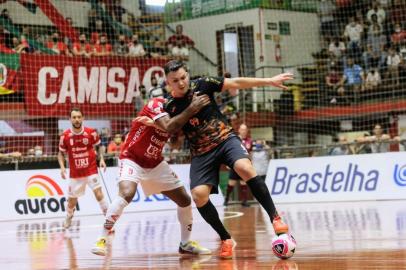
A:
(278, 225)
(227, 248)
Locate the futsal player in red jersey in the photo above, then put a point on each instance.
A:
(141, 162)
(79, 144)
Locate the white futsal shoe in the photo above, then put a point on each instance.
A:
(100, 247)
(193, 248)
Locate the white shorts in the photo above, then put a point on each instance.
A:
(153, 181)
(77, 186)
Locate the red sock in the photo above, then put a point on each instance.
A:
(229, 190)
(244, 193)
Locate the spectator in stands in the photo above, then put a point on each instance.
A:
(397, 12)
(99, 30)
(337, 47)
(375, 55)
(342, 149)
(66, 39)
(260, 157)
(373, 79)
(58, 46)
(136, 49)
(326, 11)
(115, 145)
(374, 24)
(353, 32)
(399, 36)
(180, 51)
(379, 141)
(104, 138)
(172, 40)
(378, 11)
(353, 77)
(158, 50)
(30, 152)
(393, 61)
(103, 48)
(5, 153)
(362, 146)
(82, 48)
(5, 15)
(18, 47)
(335, 89)
(38, 151)
(121, 46)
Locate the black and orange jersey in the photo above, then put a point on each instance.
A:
(209, 127)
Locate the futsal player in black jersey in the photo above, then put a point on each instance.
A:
(213, 142)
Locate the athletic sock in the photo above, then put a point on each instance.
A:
(69, 211)
(229, 190)
(185, 218)
(244, 193)
(104, 205)
(211, 216)
(260, 191)
(113, 214)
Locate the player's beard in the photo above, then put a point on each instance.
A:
(77, 125)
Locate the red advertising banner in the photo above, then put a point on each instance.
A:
(102, 86)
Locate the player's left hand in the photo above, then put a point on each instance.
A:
(145, 120)
(103, 165)
(278, 80)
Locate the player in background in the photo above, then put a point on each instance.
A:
(213, 142)
(233, 176)
(79, 143)
(141, 162)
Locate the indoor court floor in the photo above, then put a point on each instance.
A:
(347, 235)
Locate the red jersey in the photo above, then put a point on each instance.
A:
(81, 152)
(144, 144)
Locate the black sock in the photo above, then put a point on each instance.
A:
(260, 191)
(211, 216)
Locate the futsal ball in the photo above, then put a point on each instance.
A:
(283, 246)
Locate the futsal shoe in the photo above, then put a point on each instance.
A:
(100, 247)
(68, 222)
(245, 204)
(193, 248)
(279, 226)
(227, 248)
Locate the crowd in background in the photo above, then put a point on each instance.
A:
(366, 44)
(98, 39)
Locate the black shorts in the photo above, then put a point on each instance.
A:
(204, 169)
(232, 175)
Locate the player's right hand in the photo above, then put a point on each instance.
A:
(63, 173)
(145, 120)
(199, 101)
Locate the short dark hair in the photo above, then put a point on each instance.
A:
(173, 66)
(75, 109)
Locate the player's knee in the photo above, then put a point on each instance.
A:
(127, 194)
(200, 197)
(184, 202)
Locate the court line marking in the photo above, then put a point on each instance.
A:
(227, 215)
(234, 214)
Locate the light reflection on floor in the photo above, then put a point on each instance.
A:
(330, 236)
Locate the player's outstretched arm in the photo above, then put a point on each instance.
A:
(174, 124)
(246, 82)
